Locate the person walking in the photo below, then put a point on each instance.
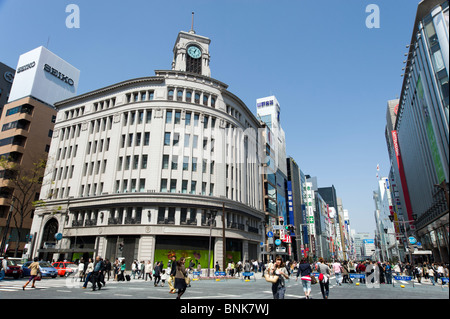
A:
(148, 270)
(34, 273)
(180, 277)
(324, 278)
(108, 268)
(89, 270)
(305, 270)
(388, 273)
(96, 274)
(122, 273)
(81, 269)
(278, 269)
(173, 272)
(431, 275)
(157, 273)
(247, 268)
(337, 268)
(345, 273)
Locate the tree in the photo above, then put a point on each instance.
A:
(24, 184)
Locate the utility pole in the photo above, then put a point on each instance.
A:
(224, 240)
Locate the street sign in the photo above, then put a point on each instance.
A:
(280, 249)
(58, 236)
(270, 234)
(412, 240)
(278, 242)
(277, 227)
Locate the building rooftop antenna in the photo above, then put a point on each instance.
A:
(192, 24)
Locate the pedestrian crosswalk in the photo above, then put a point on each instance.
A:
(60, 285)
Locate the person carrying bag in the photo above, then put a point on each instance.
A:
(276, 274)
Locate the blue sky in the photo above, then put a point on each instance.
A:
(331, 74)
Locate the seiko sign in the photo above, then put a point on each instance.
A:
(26, 67)
(58, 74)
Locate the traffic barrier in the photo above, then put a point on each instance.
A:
(248, 274)
(220, 274)
(196, 273)
(402, 278)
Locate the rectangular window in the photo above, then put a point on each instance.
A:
(177, 117)
(148, 116)
(163, 185)
(120, 163)
(204, 166)
(127, 162)
(144, 161)
(135, 161)
(184, 184)
(176, 139)
(203, 188)
(168, 117)
(138, 139)
(195, 141)
(165, 162)
(193, 187)
(146, 138)
(187, 140)
(130, 140)
(125, 186)
(142, 185)
(133, 185)
(185, 163)
(194, 164)
(175, 162)
(196, 118)
(167, 138)
(188, 119)
(173, 185)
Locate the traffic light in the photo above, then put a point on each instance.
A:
(290, 228)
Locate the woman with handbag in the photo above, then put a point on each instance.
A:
(35, 273)
(305, 270)
(276, 274)
(324, 278)
(181, 277)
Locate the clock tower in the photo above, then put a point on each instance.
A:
(191, 53)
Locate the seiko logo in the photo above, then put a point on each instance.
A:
(58, 74)
(26, 67)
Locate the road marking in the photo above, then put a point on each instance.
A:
(123, 295)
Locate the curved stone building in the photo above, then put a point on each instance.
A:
(154, 166)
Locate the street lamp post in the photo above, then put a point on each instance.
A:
(211, 219)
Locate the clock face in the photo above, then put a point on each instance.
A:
(194, 52)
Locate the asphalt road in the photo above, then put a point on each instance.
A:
(68, 288)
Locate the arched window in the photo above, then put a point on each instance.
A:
(170, 94)
(179, 95)
(50, 230)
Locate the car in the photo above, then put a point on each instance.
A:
(47, 270)
(12, 269)
(65, 268)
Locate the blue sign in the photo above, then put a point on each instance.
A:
(58, 236)
(404, 278)
(270, 234)
(419, 243)
(278, 242)
(220, 273)
(412, 240)
(247, 274)
(358, 276)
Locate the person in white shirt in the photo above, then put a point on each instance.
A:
(148, 270)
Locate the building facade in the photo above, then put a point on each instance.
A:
(421, 131)
(153, 167)
(27, 123)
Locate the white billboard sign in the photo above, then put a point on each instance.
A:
(45, 76)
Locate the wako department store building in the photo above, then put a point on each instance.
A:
(138, 169)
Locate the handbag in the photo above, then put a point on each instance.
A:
(271, 278)
(187, 279)
(313, 280)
